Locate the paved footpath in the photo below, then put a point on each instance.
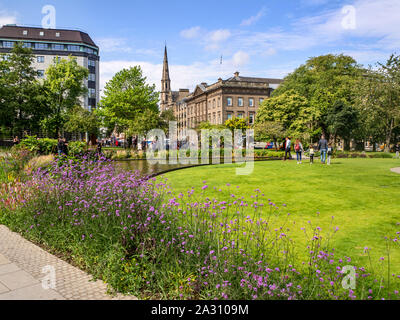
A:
(395, 170)
(21, 274)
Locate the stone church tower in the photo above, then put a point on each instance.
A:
(165, 84)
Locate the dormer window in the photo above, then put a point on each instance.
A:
(25, 32)
(41, 33)
(57, 34)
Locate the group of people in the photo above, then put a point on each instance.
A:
(323, 147)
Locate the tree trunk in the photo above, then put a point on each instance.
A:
(389, 136)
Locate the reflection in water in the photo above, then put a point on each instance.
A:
(145, 167)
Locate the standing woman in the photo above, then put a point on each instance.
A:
(298, 147)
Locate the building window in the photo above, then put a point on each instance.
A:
(261, 100)
(25, 32)
(41, 46)
(27, 45)
(57, 34)
(92, 63)
(240, 102)
(229, 101)
(40, 59)
(229, 115)
(92, 93)
(57, 59)
(92, 77)
(8, 44)
(74, 48)
(251, 102)
(40, 74)
(240, 115)
(41, 33)
(251, 118)
(59, 47)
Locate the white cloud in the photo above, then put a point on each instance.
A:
(182, 76)
(7, 18)
(254, 19)
(240, 59)
(219, 35)
(191, 33)
(113, 45)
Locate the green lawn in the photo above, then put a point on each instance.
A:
(363, 195)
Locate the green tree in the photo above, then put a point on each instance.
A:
(22, 99)
(379, 101)
(269, 131)
(82, 121)
(236, 123)
(322, 81)
(342, 121)
(291, 111)
(64, 85)
(129, 103)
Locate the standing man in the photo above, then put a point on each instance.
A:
(323, 147)
(60, 146)
(287, 148)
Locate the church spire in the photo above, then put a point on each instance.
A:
(165, 82)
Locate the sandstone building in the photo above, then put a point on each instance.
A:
(237, 96)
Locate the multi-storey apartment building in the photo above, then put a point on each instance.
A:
(237, 96)
(48, 45)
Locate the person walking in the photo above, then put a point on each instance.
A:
(287, 148)
(397, 150)
(144, 144)
(311, 151)
(298, 148)
(323, 147)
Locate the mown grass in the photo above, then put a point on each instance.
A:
(363, 195)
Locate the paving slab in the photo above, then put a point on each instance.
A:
(8, 268)
(24, 266)
(35, 292)
(17, 280)
(3, 260)
(3, 288)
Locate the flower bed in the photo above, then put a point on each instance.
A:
(141, 239)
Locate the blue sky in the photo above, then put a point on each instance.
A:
(267, 38)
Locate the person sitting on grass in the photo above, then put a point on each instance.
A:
(397, 150)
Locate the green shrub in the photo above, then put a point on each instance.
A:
(76, 147)
(41, 146)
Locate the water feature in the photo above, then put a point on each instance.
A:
(146, 168)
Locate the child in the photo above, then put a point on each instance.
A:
(329, 154)
(311, 154)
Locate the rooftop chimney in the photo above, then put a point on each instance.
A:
(236, 74)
